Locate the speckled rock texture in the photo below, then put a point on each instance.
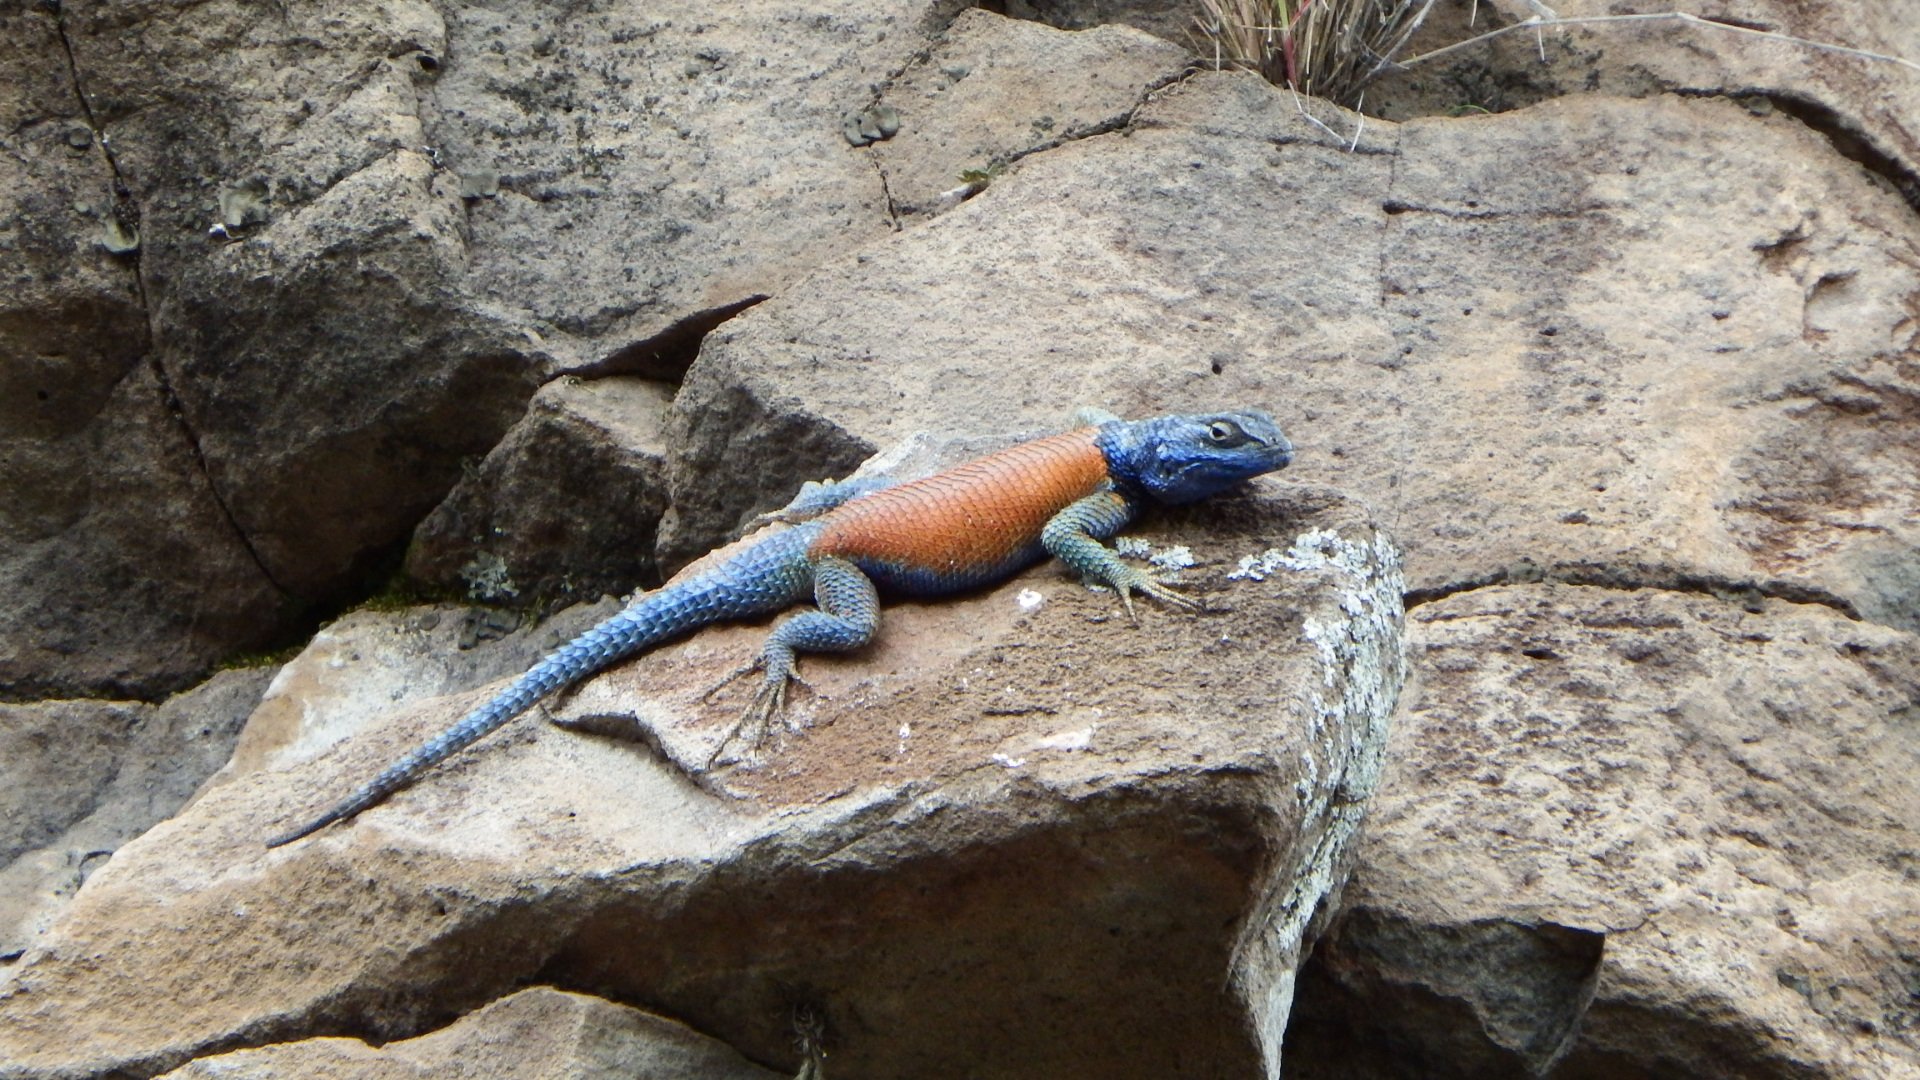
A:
(1615, 328)
(978, 819)
(564, 509)
(536, 1034)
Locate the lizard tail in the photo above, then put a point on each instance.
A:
(767, 578)
(601, 645)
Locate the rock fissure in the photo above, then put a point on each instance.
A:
(1846, 137)
(667, 355)
(886, 190)
(127, 213)
(1396, 207)
(1122, 124)
(1745, 593)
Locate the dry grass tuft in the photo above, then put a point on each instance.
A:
(1323, 48)
(1332, 48)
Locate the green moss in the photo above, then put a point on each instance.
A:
(273, 658)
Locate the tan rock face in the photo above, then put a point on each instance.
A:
(538, 1034)
(1695, 297)
(993, 90)
(1656, 346)
(1864, 103)
(1631, 376)
(84, 777)
(1634, 828)
(1013, 798)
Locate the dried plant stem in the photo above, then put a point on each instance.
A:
(1538, 23)
(1324, 48)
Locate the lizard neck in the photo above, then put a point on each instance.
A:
(1121, 446)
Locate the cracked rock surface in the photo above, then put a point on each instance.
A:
(1622, 345)
(1634, 831)
(539, 1033)
(977, 822)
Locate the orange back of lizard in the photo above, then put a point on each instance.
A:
(970, 525)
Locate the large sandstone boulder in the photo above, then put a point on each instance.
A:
(1629, 369)
(537, 1034)
(1014, 800)
(1634, 832)
(1658, 348)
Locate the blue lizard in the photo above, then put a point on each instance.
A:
(960, 529)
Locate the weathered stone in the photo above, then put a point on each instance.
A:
(84, 777)
(1169, 19)
(369, 663)
(332, 330)
(120, 574)
(993, 89)
(1634, 833)
(564, 508)
(1729, 290)
(1864, 105)
(57, 771)
(537, 1034)
(659, 170)
(1656, 345)
(981, 821)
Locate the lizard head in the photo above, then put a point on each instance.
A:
(1178, 459)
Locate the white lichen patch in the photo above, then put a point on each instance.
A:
(488, 579)
(1358, 641)
(1177, 557)
(1067, 741)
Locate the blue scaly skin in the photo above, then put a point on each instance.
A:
(969, 526)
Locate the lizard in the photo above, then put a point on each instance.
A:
(960, 529)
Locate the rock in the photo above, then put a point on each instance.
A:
(1514, 265)
(1857, 102)
(1169, 19)
(369, 663)
(52, 790)
(332, 329)
(536, 1033)
(121, 575)
(660, 171)
(87, 776)
(1633, 833)
(565, 508)
(1630, 371)
(1012, 800)
(993, 90)
(1648, 346)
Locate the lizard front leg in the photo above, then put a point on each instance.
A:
(1074, 537)
(848, 617)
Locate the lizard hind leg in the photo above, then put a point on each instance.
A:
(848, 617)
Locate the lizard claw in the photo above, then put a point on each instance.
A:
(732, 677)
(1132, 580)
(769, 704)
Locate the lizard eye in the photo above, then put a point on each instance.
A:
(1222, 431)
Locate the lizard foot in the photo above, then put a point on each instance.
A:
(1129, 580)
(769, 703)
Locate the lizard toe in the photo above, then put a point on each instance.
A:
(1132, 581)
